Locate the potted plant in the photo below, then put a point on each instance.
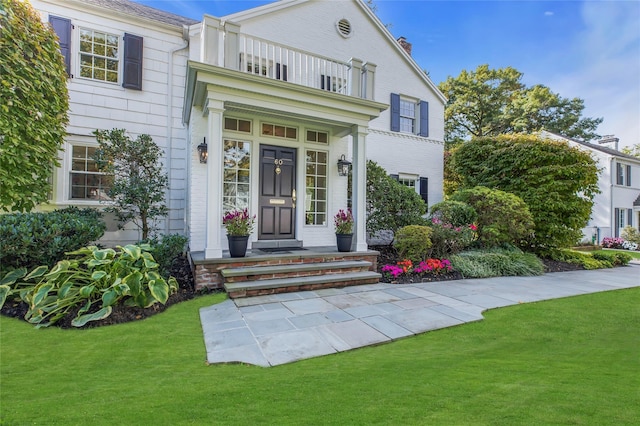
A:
(239, 226)
(343, 222)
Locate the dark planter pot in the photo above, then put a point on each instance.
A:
(238, 245)
(344, 241)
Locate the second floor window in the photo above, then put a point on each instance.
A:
(407, 116)
(623, 174)
(99, 55)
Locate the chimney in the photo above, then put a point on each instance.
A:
(609, 141)
(405, 45)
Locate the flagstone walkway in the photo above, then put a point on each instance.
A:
(279, 329)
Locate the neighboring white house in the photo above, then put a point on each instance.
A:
(618, 203)
(278, 94)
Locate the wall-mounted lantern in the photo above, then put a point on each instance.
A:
(343, 166)
(202, 151)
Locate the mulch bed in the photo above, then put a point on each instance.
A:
(182, 272)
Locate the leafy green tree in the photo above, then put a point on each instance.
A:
(503, 218)
(33, 110)
(139, 183)
(390, 205)
(489, 102)
(557, 182)
(633, 150)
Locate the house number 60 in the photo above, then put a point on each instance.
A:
(278, 163)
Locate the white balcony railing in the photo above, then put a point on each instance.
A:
(279, 62)
(224, 45)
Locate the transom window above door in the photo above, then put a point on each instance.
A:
(278, 131)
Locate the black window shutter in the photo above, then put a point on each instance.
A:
(617, 223)
(424, 189)
(62, 28)
(395, 177)
(281, 72)
(629, 217)
(424, 119)
(395, 112)
(628, 175)
(132, 62)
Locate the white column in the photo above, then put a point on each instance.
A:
(359, 186)
(213, 249)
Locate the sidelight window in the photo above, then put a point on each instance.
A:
(236, 180)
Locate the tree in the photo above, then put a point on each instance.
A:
(633, 150)
(556, 181)
(33, 111)
(488, 102)
(390, 205)
(139, 183)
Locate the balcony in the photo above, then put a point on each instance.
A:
(222, 44)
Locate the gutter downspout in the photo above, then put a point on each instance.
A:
(169, 131)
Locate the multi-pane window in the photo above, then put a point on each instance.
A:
(99, 55)
(86, 181)
(279, 131)
(316, 188)
(319, 137)
(411, 183)
(407, 116)
(237, 125)
(236, 183)
(623, 174)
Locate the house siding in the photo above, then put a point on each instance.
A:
(101, 105)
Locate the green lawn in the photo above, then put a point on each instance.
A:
(567, 361)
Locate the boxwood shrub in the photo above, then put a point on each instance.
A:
(33, 239)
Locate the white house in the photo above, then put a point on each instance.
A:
(277, 94)
(127, 69)
(618, 203)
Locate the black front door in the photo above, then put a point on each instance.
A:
(276, 219)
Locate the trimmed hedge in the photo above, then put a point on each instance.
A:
(496, 263)
(28, 240)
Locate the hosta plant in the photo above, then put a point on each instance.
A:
(92, 280)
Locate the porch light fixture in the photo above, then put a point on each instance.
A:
(343, 166)
(202, 151)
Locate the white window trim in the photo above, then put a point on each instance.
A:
(410, 177)
(326, 176)
(62, 182)
(75, 52)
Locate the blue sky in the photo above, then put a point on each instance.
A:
(584, 49)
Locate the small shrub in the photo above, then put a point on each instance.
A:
(31, 239)
(614, 258)
(586, 260)
(503, 218)
(390, 205)
(89, 277)
(456, 213)
(497, 262)
(447, 239)
(167, 250)
(434, 266)
(612, 243)
(413, 242)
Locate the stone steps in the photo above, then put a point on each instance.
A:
(259, 280)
